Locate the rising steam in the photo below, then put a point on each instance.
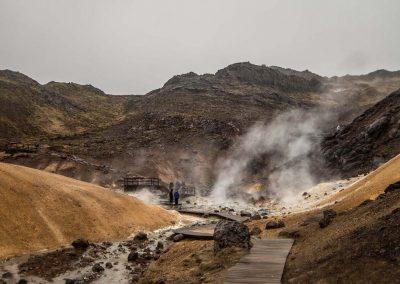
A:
(288, 143)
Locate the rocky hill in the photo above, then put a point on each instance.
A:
(371, 139)
(178, 131)
(29, 109)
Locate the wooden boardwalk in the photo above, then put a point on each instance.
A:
(264, 263)
(194, 234)
(222, 215)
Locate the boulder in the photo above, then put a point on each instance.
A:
(109, 265)
(178, 238)
(140, 237)
(274, 224)
(133, 256)
(245, 214)
(255, 231)
(7, 275)
(327, 219)
(160, 245)
(80, 244)
(392, 187)
(292, 234)
(231, 233)
(256, 217)
(97, 268)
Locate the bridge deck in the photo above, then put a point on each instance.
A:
(264, 263)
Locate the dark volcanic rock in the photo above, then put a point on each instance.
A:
(97, 268)
(80, 244)
(293, 234)
(255, 231)
(392, 187)
(256, 217)
(140, 237)
(368, 141)
(178, 238)
(7, 275)
(231, 233)
(133, 256)
(328, 217)
(245, 214)
(274, 224)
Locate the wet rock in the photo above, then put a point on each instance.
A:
(97, 268)
(231, 233)
(135, 278)
(133, 256)
(245, 214)
(160, 245)
(7, 275)
(178, 238)
(109, 265)
(292, 234)
(274, 224)
(73, 281)
(80, 244)
(255, 231)
(141, 236)
(392, 187)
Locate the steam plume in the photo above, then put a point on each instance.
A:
(288, 142)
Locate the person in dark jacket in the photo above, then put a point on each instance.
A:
(171, 193)
(176, 196)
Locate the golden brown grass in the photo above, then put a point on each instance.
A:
(40, 210)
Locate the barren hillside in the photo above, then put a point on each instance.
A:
(40, 210)
(176, 132)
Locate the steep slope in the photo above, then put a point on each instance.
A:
(39, 210)
(361, 241)
(372, 138)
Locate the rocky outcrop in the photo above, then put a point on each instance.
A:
(231, 233)
(274, 224)
(370, 140)
(329, 215)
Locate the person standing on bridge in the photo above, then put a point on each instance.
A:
(176, 196)
(171, 193)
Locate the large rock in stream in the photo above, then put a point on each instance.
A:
(231, 233)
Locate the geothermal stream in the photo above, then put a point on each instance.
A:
(111, 256)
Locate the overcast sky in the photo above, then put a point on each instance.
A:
(132, 47)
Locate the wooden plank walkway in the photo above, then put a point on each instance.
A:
(222, 215)
(264, 263)
(194, 234)
(230, 217)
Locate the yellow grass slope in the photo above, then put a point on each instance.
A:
(368, 187)
(40, 210)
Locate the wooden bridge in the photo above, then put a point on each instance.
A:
(133, 183)
(264, 263)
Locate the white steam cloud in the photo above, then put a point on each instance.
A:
(288, 142)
